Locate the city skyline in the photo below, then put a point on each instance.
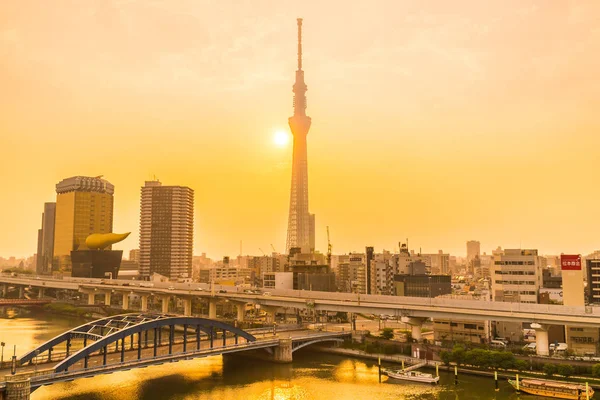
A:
(432, 123)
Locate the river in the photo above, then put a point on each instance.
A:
(310, 376)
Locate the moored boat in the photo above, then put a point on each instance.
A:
(414, 376)
(554, 389)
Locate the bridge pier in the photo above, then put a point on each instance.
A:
(18, 389)
(187, 306)
(125, 301)
(107, 298)
(144, 302)
(21, 292)
(41, 293)
(5, 290)
(271, 312)
(91, 298)
(212, 309)
(541, 339)
(241, 311)
(283, 352)
(416, 323)
(164, 300)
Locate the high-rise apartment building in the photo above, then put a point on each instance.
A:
(473, 251)
(84, 205)
(166, 230)
(45, 249)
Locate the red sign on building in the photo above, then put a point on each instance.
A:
(570, 262)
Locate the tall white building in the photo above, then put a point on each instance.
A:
(166, 230)
(517, 275)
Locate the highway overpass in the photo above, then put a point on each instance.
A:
(412, 310)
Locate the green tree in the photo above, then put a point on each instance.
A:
(596, 370)
(446, 358)
(459, 354)
(521, 365)
(387, 333)
(549, 369)
(565, 370)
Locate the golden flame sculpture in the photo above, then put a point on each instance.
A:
(99, 241)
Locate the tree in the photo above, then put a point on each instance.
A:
(521, 365)
(565, 370)
(458, 354)
(549, 369)
(596, 370)
(387, 333)
(446, 358)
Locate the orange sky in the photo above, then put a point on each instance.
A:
(440, 121)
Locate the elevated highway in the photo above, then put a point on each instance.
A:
(407, 307)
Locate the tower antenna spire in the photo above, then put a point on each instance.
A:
(299, 43)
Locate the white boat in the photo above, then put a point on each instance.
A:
(414, 376)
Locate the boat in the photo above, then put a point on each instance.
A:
(414, 376)
(554, 389)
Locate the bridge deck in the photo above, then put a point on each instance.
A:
(42, 373)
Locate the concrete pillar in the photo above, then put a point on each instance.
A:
(107, 297)
(41, 293)
(144, 302)
(4, 290)
(241, 311)
(283, 352)
(187, 306)
(165, 304)
(21, 292)
(541, 339)
(271, 311)
(91, 298)
(18, 389)
(125, 301)
(416, 323)
(212, 309)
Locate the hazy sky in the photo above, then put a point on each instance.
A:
(440, 121)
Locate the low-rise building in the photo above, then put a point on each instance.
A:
(461, 331)
(278, 280)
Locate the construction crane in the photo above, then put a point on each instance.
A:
(273, 247)
(328, 248)
(261, 250)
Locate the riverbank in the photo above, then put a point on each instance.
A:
(398, 359)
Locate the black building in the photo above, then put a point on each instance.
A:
(370, 252)
(314, 277)
(549, 281)
(422, 285)
(593, 281)
(96, 263)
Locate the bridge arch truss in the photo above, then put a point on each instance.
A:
(144, 331)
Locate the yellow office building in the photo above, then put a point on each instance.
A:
(84, 205)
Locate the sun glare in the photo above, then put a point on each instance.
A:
(281, 139)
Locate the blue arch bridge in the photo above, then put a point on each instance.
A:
(128, 341)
